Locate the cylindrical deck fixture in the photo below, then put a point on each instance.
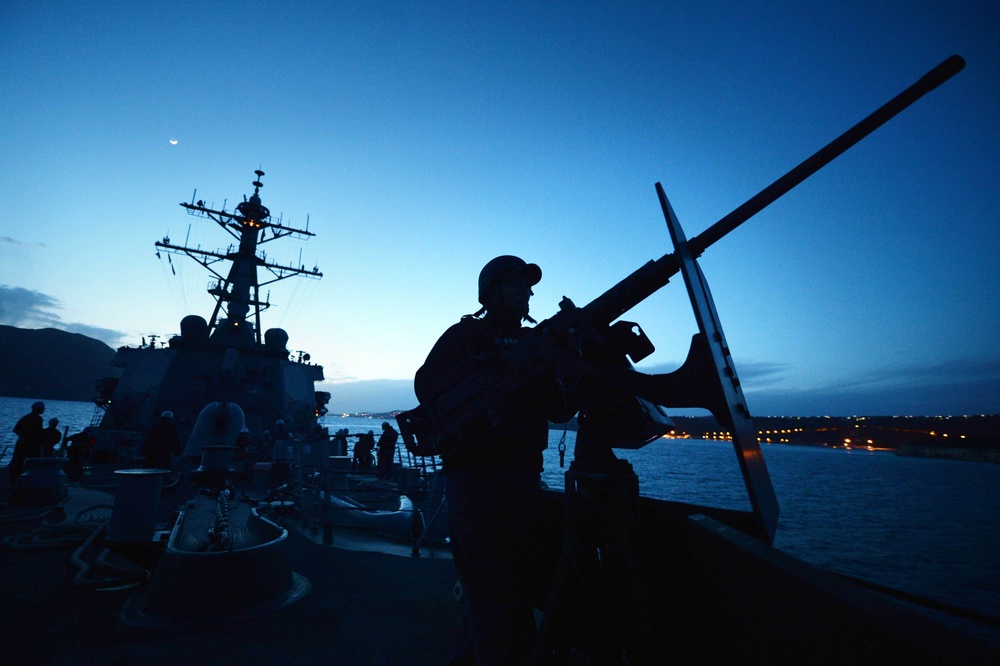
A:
(216, 464)
(137, 497)
(42, 483)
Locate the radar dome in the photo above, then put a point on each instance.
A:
(276, 338)
(194, 327)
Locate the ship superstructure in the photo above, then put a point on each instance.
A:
(225, 358)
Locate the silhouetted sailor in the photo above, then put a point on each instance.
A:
(279, 432)
(50, 439)
(161, 442)
(363, 458)
(29, 439)
(243, 440)
(77, 448)
(341, 442)
(493, 476)
(386, 451)
(266, 444)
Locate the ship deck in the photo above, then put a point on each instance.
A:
(364, 607)
(371, 602)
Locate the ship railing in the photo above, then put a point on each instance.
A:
(421, 462)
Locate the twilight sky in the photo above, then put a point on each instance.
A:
(422, 139)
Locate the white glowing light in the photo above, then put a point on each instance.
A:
(173, 142)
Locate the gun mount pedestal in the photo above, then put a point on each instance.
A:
(597, 576)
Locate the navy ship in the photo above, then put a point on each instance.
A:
(225, 359)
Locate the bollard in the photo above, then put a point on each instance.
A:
(42, 483)
(137, 497)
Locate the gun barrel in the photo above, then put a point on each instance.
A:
(656, 274)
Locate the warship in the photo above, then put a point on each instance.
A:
(234, 564)
(225, 359)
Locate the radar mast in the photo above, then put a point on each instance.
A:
(235, 319)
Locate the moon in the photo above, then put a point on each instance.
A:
(173, 142)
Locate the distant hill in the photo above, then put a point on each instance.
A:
(53, 364)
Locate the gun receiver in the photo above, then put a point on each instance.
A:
(566, 338)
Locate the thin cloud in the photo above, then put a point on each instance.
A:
(26, 308)
(14, 241)
(955, 372)
(953, 387)
(759, 373)
(371, 395)
(336, 374)
(108, 336)
(957, 387)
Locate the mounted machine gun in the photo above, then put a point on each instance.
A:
(596, 602)
(590, 335)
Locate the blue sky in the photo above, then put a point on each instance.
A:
(422, 139)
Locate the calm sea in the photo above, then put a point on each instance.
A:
(927, 527)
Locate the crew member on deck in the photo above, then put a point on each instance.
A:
(50, 438)
(386, 451)
(77, 448)
(162, 442)
(279, 432)
(29, 439)
(340, 439)
(243, 440)
(493, 476)
(363, 458)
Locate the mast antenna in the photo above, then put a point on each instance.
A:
(236, 291)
